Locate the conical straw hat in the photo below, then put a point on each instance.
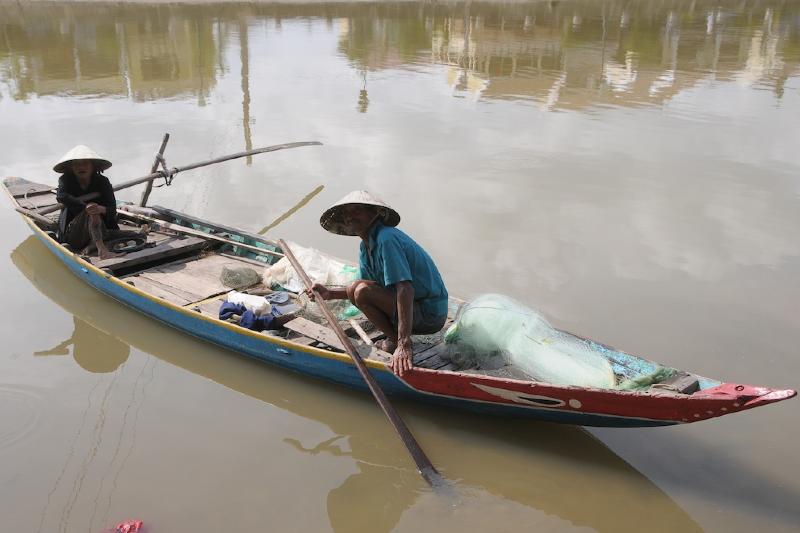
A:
(332, 220)
(81, 152)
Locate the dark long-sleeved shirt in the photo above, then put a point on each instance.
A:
(69, 190)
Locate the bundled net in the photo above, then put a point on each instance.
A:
(239, 277)
(341, 309)
(496, 330)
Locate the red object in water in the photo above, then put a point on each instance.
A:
(128, 526)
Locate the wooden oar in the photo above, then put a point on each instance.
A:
(425, 467)
(155, 175)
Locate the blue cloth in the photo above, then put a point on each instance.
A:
(228, 309)
(281, 303)
(393, 257)
(248, 319)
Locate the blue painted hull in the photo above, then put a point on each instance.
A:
(338, 369)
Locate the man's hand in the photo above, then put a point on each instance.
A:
(95, 209)
(401, 359)
(321, 289)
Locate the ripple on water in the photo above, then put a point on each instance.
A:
(21, 409)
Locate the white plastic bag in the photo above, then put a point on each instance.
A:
(319, 267)
(257, 304)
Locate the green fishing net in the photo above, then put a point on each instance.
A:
(494, 330)
(239, 277)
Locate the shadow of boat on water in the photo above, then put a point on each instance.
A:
(557, 470)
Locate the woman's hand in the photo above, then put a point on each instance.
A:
(95, 209)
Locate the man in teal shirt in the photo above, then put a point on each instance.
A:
(400, 290)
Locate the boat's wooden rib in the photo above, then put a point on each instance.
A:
(176, 281)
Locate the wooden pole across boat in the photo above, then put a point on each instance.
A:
(162, 174)
(425, 467)
(190, 231)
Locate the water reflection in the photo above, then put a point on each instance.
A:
(554, 469)
(562, 55)
(92, 349)
(106, 50)
(575, 54)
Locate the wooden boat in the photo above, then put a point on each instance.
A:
(176, 279)
(477, 463)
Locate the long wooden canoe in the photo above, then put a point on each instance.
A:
(176, 280)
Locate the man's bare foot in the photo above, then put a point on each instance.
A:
(387, 345)
(144, 229)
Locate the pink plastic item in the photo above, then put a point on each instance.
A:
(128, 526)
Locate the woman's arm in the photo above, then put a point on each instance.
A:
(64, 197)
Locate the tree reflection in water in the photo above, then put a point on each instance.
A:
(562, 55)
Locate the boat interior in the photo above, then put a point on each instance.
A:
(182, 260)
(183, 257)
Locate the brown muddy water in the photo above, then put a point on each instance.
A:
(630, 169)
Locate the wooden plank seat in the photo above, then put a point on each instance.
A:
(431, 357)
(195, 279)
(22, 188)
(166, 292)
(325, 335)
(197, 275)
(162, 249)
(426, 354)
(38, 201)
(192, 282)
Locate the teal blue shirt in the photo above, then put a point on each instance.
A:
(393, 257)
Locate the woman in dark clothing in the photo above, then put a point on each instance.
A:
(84, 224)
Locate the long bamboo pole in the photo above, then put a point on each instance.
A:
(424, 465)
(175, 170)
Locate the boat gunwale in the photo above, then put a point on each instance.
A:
(287, 343)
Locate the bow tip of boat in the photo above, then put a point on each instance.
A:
(771, 396)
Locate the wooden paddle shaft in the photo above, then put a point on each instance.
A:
(173, 171)
(425, 467)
